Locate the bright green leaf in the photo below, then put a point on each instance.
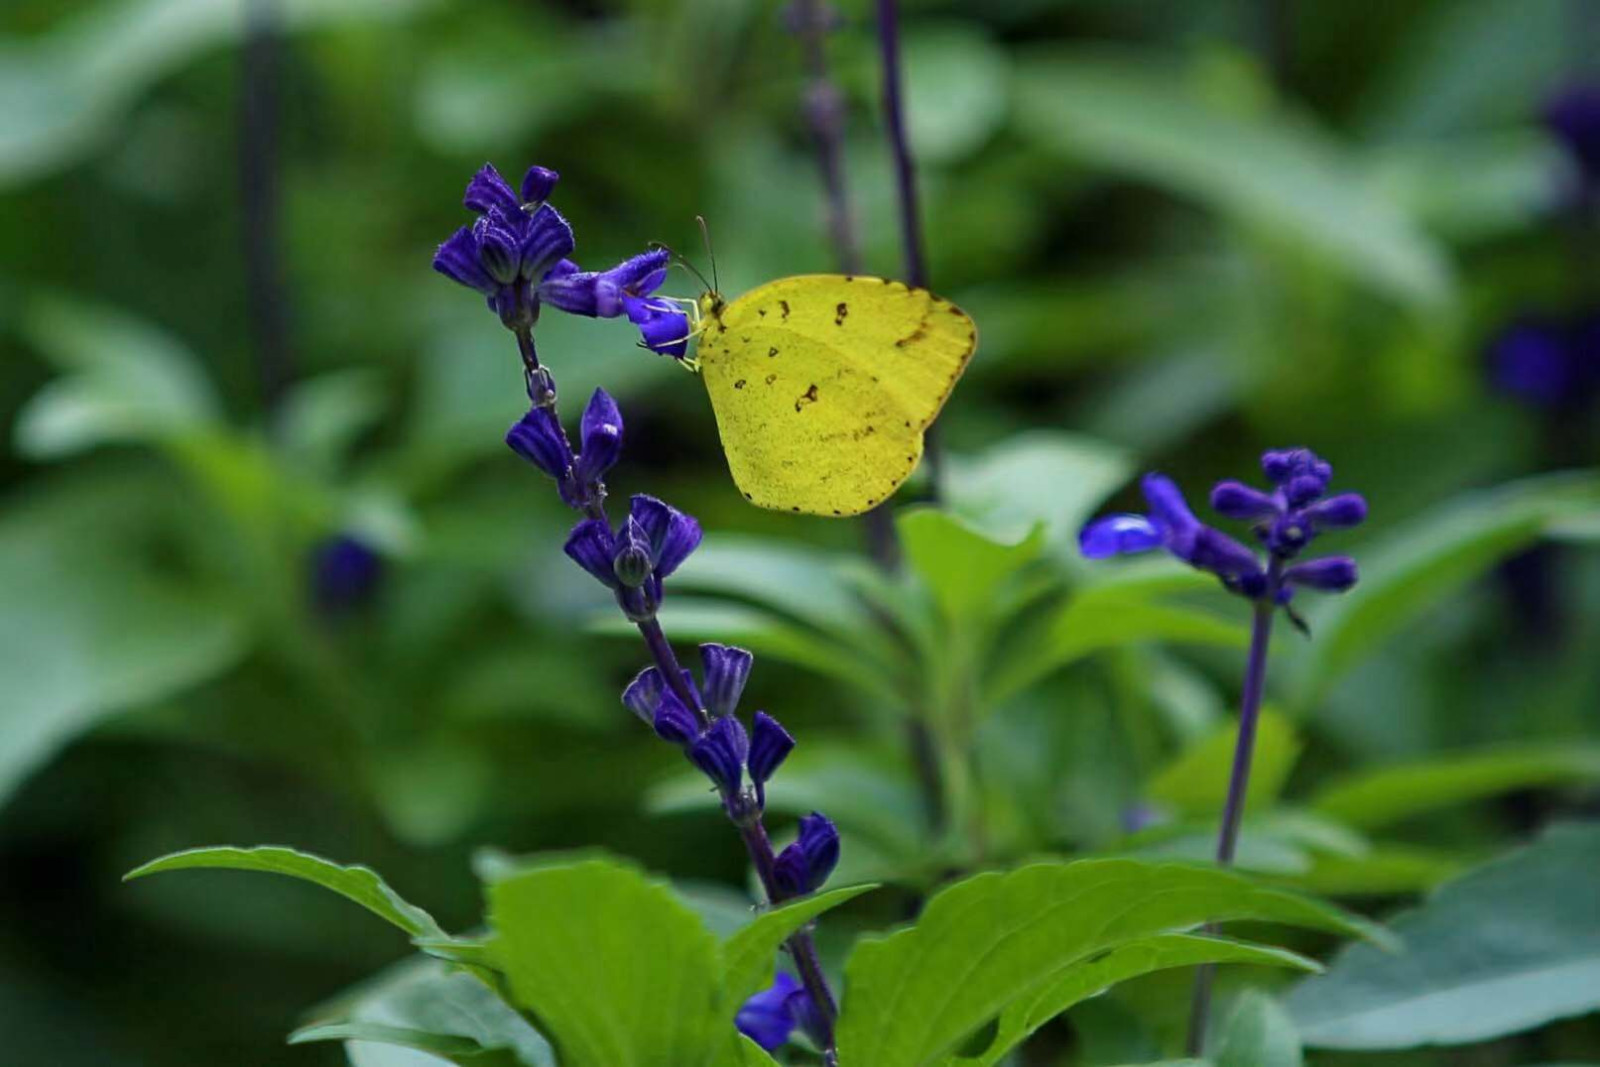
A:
(1257, 1032)
(986, 941)
(963, 567)
(617, 971)
(998, 490)
(1386, 795)
(1504, 948)
(359, 884)
(748, 956)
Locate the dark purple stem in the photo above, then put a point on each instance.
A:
(667, 663)
(1255, 676)
(905, 175)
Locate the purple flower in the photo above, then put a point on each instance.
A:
(653, 540)
(1547, 363)
(726, 670)
(805, 865)
(673, 722)
(1285, 519)
(515, 254)
(720, 753)
(770, 745)
(345, 573)
(644, 693)
(770, 1016)
(600, 437)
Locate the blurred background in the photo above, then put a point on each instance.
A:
(268, 574)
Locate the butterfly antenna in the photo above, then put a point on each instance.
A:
(680, 260)
(705, 235)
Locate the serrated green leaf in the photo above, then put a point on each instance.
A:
(617, 971)
(993, 938)
(1196, 783)
(1386, 795)
(748, 956)
(1257, 1032)
(1504, 948)
(359, 884)
(1088, 979)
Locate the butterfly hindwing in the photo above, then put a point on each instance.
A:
(823, 385)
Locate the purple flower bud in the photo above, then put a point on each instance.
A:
(538, 183)
(538, 438)
(1338, 512)
(643, 694)
(498, 247)
(725, 669)
(457, 259)
(1332, 574)
(673, 535)
(592, 547)
(1289, 535)
(675, 723)
(768, 1017)
(805, 865)
(1239, 501)
(546, 241)
(488, 190)
(601, 438)
(632, 561)
(1302, 489)
(1168, 510)
(1118, 535)
(1534, 361)
(1279, 465)
(720, 753)
(770, 745)
(346, 573)
(1214, 551)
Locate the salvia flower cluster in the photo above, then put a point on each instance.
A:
(1285, 520)
(515, 255)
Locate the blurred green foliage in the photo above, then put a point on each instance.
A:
(1178, 253)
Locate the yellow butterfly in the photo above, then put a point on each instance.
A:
(823, 384)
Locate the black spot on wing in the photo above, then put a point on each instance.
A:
(784, 306)
(840, 312)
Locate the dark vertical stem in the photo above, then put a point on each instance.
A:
(1276, 31)
(905, 177)
(667, 663)
(265, 296)
(1255, 676)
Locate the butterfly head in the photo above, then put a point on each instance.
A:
(710, 305)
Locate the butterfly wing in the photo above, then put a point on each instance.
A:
(823, 384)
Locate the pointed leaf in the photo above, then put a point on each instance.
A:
(748, 956)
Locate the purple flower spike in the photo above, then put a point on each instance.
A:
(770, 745)
(673, 722)
(1338, 512)
(805, 865)
(768, 1017)
(720, 753)
(643, 694)
(1332, 574)
(538, 183)
(726, 669)
(1118, 535)
(488, 190)
(592, 547)
(673, 535)
(601, 438)
(538, 438)
(1239, 501)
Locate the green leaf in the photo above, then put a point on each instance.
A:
(617, 971)
(123, 380)
(963, 567)
(1089, 979)
(1099, 619)
(424, 997)
(462, 1050)
(956, 83)
(1257, 1032)
(1266, 168)
(88, 629)
(748, 956)
(1504, 948)
(997, 492)
(988, 940)
(1383, 796)
(1432, 556)
(1196, 783)
(359, 884)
